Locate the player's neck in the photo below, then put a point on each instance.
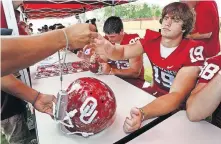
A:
(122, 37)
(170, 43)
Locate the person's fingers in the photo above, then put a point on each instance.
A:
(49, 112)
(126, 128)
(130, 122)
(54, 99)
(99, 39)
(135, 111)
(94, 35)
(79, 54)
(134, 116)
(92, 41)
(85, 47)
(92, 27)
(91, 46)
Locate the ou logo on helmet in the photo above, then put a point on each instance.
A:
(88, 109)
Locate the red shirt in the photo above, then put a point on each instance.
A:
(4, 23)
(3, 19)
(210, 69)
(188, 53)
(21, 28)
(207, 20)
(124, 64)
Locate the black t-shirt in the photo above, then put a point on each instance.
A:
(11, 105)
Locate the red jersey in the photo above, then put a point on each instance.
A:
(211, 68)
(207, 20)
(188, 53)
(3, 18)
(124, 64)
(21, 28)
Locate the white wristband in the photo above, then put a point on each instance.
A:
(66, 37)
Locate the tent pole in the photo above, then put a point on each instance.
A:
(113, 8)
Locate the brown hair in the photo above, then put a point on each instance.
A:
(183, 12)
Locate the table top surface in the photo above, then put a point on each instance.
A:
(177, 129)
(127, 96)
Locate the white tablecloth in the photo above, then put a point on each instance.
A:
(127, 96)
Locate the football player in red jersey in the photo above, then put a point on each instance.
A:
(170, 55)
(205, 99)
(206, 30)
(131, 70)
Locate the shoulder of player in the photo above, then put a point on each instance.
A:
(151, 35)
(131, 35)
(193, 43)
(215, 59)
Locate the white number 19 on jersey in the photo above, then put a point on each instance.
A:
(196, 54)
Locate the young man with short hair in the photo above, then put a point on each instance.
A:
(175, 62)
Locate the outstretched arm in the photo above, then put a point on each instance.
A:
(181, 87)
(41, 102)
(20, 52)
(117, 52)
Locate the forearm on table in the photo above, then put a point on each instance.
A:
(12, 85)
(21, 52)
(203, 103)
(162, 105)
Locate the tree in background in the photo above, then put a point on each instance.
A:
(132, 11)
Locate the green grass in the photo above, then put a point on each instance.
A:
(148, 74)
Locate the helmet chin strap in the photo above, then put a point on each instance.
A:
(84, 134)
(70, 124)
(68, 118)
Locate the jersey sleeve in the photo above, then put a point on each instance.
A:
(210, 69)
(196, 54)
(149, 35)
(133, 38)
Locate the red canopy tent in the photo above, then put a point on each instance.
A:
(51, 8)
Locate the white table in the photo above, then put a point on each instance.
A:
(179, 130)
(127, 96)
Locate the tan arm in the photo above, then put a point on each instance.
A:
(183, 84)
(204, 99)
(12, 85)
(136, 65)
(120, 52)
(21, 52)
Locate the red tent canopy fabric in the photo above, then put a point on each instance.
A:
(49, 8)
